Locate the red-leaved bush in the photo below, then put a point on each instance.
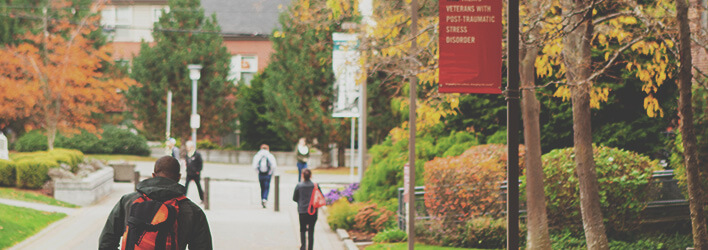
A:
(468, 185)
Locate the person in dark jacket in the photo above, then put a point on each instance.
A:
(194, 169)
(302, 195)
(193, 228)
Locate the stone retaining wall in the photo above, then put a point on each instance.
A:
(85, 191)
(284, 158)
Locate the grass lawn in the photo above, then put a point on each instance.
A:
(18, 223)
(120, 157)
(339, 171)
(31, 196)
(404, 246)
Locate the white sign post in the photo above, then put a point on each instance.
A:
(4, 153)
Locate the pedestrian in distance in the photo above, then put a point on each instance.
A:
(157, 215)
(194, 169)
(302, 195)
(172, 150)
(264, 163)
(302, 153)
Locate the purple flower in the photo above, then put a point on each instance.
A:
(348, 192)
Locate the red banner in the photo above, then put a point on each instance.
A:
(470, 46)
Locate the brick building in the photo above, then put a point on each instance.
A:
(246, 27)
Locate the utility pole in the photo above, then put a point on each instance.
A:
(412, 117)
(512, 121)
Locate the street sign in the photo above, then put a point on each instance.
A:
(194, 121)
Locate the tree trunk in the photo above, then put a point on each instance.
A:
(326, 158)
(537, 224)
(577, 60)
(341, 158)
(690, 153)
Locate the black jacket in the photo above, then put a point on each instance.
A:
(303, 194)
(194, 164)
(193, 228)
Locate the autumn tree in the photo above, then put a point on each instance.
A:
(56, 73)
(695, 194)
(183, 36)
(537, 225)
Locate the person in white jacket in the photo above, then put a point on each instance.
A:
(264, 163)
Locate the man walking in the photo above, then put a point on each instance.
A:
(194, 169)
(191, 224)
(264, 163)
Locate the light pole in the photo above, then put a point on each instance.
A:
(194, 74)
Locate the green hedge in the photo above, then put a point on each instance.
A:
(624, 179)
(32, 173)
(113, 140)
(31, 141)
(7, 173)
(30, 169)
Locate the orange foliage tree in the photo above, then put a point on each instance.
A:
(56, 77)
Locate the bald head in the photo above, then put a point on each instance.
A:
(167, 167)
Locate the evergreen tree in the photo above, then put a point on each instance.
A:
(255, 128)
(183, 36)
(299, 79)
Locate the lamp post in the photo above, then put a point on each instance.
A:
(194, 74)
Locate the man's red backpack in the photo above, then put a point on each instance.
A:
(152, 224)
(317, 200)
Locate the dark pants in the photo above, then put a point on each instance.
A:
(264, 179)
(300, 166)
(307, 224)
(197, 180)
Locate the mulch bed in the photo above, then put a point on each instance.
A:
(359, 236)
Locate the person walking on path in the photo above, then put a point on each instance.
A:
(194, 169)
(172, 150)
(264, 163)
(302, 195)
(193, 228)
(302, 153)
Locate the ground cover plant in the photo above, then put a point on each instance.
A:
(17, 223)
(31, 196)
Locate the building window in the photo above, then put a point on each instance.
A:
(124, 16)
(243, 68)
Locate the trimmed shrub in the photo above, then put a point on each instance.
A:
(32, 173)
(457, 188)
(390, 236)
(122, 141)
(372, 218)
(624, 180)
(7, 173)
(85, 142)
(341, 214)
(207, 144)
(485, 232)
(70, 157)
(32, 141)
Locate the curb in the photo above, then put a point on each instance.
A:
(344, 236)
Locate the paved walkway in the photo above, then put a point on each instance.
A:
(236, 218)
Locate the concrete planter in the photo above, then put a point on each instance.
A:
(123, 171)
(85, 191)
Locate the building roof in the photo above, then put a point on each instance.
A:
(244, 19)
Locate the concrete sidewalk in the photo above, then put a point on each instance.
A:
(236, 218)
